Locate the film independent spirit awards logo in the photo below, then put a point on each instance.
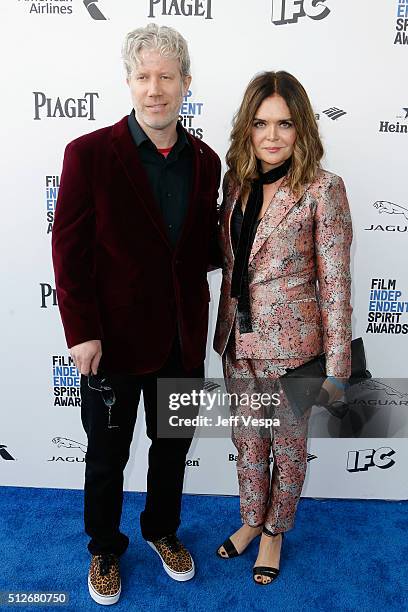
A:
(387, 308)
(63, 7)
(401, 23)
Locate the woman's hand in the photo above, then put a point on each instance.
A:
(332, 390)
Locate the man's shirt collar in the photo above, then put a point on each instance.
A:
(139, 136)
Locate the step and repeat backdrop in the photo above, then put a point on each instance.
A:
(62, 77)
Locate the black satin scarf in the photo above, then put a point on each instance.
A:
(239, 283)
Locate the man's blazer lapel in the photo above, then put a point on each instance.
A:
(198, 161)
(126, 151)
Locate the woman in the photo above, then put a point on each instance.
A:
(285, 232)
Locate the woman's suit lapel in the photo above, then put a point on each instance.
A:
(280, 205)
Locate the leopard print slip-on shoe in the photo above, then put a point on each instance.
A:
(104, 579)
(177, 561)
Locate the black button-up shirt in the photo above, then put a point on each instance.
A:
(170, 177)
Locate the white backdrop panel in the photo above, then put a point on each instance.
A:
(354, 69)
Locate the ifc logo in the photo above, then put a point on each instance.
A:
(289, 11)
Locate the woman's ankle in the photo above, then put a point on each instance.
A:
(269, 534)
(257, 528)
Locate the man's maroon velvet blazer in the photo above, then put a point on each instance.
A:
(118, 278)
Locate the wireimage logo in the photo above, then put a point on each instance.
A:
(289, 11)
(4, 454)
(93, 10)
(334, 113)
(361, 460)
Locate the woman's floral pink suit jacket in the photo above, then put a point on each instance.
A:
(299, 277)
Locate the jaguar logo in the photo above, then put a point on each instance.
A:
(67, 443)
(383, 206)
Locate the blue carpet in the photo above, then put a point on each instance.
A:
(342, 556)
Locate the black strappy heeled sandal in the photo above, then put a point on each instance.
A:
(264, 570)
(231, 550)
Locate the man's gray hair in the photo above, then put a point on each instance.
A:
(167, 41)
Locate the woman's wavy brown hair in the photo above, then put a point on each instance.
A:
(308, 149)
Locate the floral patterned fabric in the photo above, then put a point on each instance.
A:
(264, 500)
(299, 285)
(299, 277)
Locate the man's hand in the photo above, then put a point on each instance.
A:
(87, 356)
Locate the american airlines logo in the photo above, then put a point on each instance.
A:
(94, 10)
(4, 454)
(334, 113)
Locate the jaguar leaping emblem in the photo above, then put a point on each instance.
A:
(67, 443)
(389, 207)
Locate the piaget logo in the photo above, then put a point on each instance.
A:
(289, 11)
(48, 295)
(69, 108)
(180, 8)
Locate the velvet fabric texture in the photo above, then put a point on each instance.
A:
(118, 277)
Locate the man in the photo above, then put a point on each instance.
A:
(134, 235)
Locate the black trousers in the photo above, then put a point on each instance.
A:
(108, 453)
